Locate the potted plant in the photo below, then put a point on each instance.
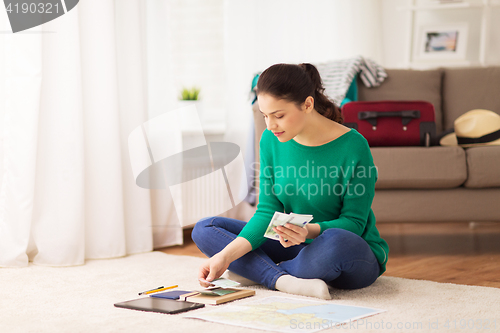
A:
(189, 94)
(190, 97)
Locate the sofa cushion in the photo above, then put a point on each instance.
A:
(419, 167)
(405, 85)
(444, 205)
(466, 89)
(483, 167)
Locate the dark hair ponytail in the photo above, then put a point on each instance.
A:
(295, 83)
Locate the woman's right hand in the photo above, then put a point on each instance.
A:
(212, 269)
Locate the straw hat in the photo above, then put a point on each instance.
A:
(473, 128)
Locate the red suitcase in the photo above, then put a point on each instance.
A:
(392, 123)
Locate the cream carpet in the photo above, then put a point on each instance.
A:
(81, 298)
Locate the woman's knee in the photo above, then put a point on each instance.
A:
(200, 228)
(339, 235)
(338, 232)
(344, 240)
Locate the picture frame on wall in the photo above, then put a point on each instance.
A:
(442, 42)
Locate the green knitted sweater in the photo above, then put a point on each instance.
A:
(335, 182)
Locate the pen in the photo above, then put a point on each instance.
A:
(158, 289)
(151, 290)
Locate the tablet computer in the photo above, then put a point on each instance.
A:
(159, 305)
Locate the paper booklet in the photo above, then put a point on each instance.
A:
(217, 296)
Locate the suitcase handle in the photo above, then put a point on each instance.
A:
(406, 116)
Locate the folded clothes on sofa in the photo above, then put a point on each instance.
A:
(338, 75)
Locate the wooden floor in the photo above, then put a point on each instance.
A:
(462, 253)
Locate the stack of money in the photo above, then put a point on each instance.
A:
(281, 219)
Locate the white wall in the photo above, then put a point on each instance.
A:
(396, 33)
(260, 33)
(220, 44)
(197, 36)
(208, 35)
(493, 55)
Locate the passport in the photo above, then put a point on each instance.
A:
(174, 294)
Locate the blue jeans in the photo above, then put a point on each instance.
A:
(339, 257)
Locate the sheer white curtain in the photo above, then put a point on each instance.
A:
(261, 33)
(71, 92)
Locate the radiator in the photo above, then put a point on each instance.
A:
(199, 199)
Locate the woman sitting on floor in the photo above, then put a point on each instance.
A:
(309, 164)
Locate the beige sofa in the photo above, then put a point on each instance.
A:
(433, 184)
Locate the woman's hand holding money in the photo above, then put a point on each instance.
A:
(291, 235)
